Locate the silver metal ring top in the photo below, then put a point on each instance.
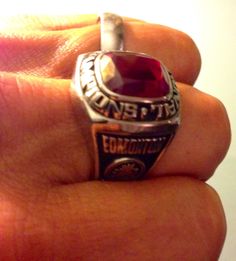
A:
(132, 102)
(111, 32)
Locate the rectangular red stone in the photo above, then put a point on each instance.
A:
(134, 75)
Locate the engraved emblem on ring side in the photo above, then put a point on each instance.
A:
(125, 168)
(114, 149)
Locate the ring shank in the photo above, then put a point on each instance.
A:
(112, 33)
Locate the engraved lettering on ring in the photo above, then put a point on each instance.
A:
(130, 111)
(132, 146)
(120, 110)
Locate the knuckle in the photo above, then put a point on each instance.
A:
(221, 131)
(223, 122)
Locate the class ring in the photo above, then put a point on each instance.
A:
(132, 102)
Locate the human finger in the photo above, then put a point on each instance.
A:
(164, 219)
(41, 134)
(52, 53)
(52, 23)
(202, 140)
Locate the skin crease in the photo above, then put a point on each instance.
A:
(48, 208)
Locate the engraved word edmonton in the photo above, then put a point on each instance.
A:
(121, 110)
(131, 146)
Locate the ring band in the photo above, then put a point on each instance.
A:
(111, 32)
(132, 102)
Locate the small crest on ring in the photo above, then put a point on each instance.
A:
(125, 169)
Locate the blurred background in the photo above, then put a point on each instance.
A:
(212, 25)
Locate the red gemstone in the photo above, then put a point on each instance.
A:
(133, 75)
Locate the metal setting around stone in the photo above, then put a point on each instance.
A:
(120, 107)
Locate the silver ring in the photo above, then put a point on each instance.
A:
(111, 32)
(132, 102)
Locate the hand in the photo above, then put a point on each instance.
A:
(49, 209)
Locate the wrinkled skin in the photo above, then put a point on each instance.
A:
(49, 207)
